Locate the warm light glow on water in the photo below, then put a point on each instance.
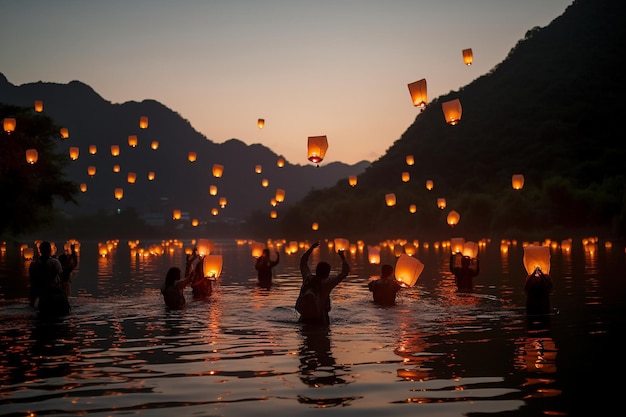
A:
(242, 352)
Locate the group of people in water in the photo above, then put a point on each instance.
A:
(50, 280)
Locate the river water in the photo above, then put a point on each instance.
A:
(243, 353)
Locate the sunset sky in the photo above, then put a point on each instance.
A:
(338, 68)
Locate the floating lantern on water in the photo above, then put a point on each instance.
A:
(453, 218)
(517, 181)
(9, 124)
(218, 170)
(390, 199)
(468, 56)
(316, 150)
(38, 106)
(32, 156)
(73, 153)
(418, 93)
(143, 122)
(132, 141)
(537, 258)
(408, 269)
(452, 111)
(118, 193)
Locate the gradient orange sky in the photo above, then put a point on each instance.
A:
(309, 68)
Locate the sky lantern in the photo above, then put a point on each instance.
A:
(373, 255)
(260, 123)
(192, 156)
(116, 168)
(256, 249)
(194, 222)
(453, 218)
(154, 145)
(412, 208)
(143, 122)
(410, 160)
(115, 150)
(213, 189)
(280, 195)
(406, 177)
(212, 266)
(273, 214)
(341, 243)
(390, 199)
(468, 57)
(119, 193)
(65, 133)
(222, 202)
(83, 187)
(93, 149)
(517, 181)
(418, 93)
(258, 169)
(132, 141)
(9, 124)
(316, 149)
(131, 177)
(32, 156)
(537, 257)
(280, 162)
(429, 185)
(273, 202)
(409, 249)
(214, 211)
(352, 180)
(205, 247)
(470, 249)
(151, 176)
(441, 203)
(456, 245)
(218, 170)
(74, 153)
(265, 182)
(91, 170)
(38, 106)
(176, 214)
(315, 226)
(408, 269)
(452, 111)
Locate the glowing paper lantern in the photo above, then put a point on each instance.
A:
(315, 226)
(131, 177)
(213, 189)
(191, 157)
(218, 170)
(214, 211)
(116, 168)
(92, 149)
(205, 247)
(65, 133)
(222, 202)
(412, 208)
(32, 156)
(316, 150)
(258, 169)
(265, 182)
(143, 122)
(28, 253)
(194, 222)
(257, 249)
(418, 93)
(470, 249)
(453, 218)
(155, 145)
(273, 214)
(119, 193)
(280, 195)
(373, 255)
(260, 123)
(176, 214)
(537, 257)
(91, 170)
(38, 106)
(212, 266)
(115, 150)
(468, 57)
(452, 111)
(408, 269)
(9, 124)
(132, 140)
(352, 180)
(456, 244)
(566, 246)
(517, 181)
(429, 185)
(441, 203)
(406, 177)
(341, 244)
(280, 162)
(83, 187)
(410, 160)
(73, 153)
(150, 176)
(390, 199)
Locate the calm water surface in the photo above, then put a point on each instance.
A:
(242, 353)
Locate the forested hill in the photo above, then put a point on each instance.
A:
(551, 111)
